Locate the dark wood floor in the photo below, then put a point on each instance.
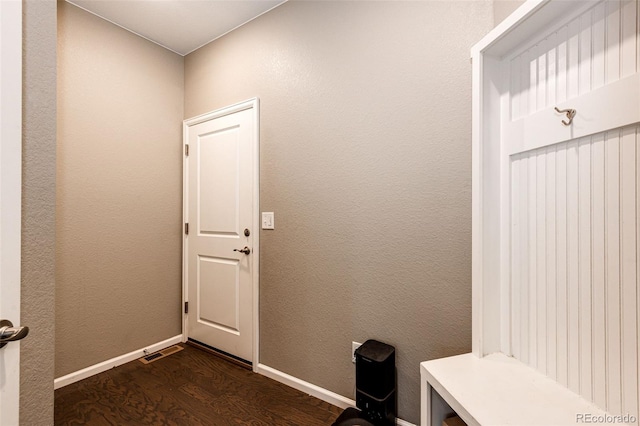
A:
(190, 387)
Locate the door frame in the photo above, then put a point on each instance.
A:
(254, 105)
(10, 197)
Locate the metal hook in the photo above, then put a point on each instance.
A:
(570, 114)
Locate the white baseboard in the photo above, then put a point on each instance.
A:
(113, 362)
(313, 390)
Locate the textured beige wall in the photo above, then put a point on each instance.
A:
(504, 8)
(38, 210)
(366, 162)
(119, 192)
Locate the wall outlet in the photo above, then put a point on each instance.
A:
(354, 346)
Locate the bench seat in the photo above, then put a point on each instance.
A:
(500, 390)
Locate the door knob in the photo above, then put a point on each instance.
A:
(245, 250)
(9, 333)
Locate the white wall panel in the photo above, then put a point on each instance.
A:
(561, 324)
(598, 47)
(612, 278)
(575, 265)
(551, 269)
(575, 226)
(584, 266)
(628, 268)
(598, 270)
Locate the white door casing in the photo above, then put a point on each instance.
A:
(220, 203)
(10, 199)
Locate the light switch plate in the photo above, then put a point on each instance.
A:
(268, 220)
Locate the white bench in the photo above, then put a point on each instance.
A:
(499, 390)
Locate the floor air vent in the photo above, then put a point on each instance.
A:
(160, 354)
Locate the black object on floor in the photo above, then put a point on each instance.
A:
(352, 417)
(375, 387)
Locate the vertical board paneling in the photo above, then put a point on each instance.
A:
(598, 270)
(628, 270)
(585, 53)
(533, 80)
(573, 64)
(552, 69)
(533, 258)
(516, 257)
(551, 284)
(524, 246)
(542, 75)
(516, 87)
(541, 263)
(575, 259)
(612, 296)
(561, 85)
(572, 266)
(612, 53)
(575, 265)
(561, 238)
(628, 32)
(598, 40)
(584, 262)
(525, 81)
(598, 47)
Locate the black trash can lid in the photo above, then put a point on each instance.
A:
(375, 351)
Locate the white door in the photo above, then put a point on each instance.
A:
(10, 172)
(221, 212)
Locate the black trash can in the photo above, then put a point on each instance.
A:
(375, 387)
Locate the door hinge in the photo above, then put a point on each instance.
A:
(186, 150)
(186, 307)
(186, 229)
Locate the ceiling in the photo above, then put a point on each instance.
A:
(178, 25)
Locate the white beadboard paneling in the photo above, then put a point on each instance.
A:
(541, 262)
(598, 270)
(516, 87)
(552, 64)
(573, 277)
(525, 83)
(525, 250)
(542, 75)
(628, 270)
(533, 269)
(533, 80)
(561, 71)
(584, 262)
(612, 237)
(585, 53)
(628, 34)
(551, 279)
(575, 260)
(598, 46)
(573, 59)
(561, 251)
(516, 259)
(575, 265)
(612, 53)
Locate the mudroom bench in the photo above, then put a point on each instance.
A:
(500, 390)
